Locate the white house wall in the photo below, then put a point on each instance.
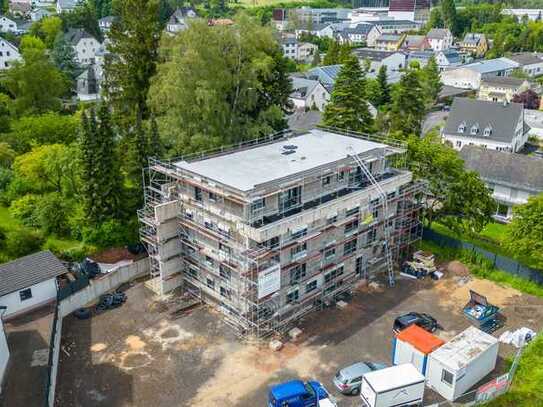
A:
(42, 293)
(8, 55)
(461, 78)
(86, 49)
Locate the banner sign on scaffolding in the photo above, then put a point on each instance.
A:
(269, 281)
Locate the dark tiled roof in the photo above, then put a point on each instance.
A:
(29, 270)
(372, 54)
(74, 35)
(502, 119)
(526, 58)
(516, 170)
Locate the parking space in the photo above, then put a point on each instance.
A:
(140, 354)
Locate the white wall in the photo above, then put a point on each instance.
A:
(8, 54)
(86, 49)
(4, 353)
(41, 293)
(461, 78)
(7, 25)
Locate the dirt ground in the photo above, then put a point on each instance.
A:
(138, 355)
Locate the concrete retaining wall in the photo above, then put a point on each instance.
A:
(57, 329)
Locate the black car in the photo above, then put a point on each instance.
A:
(425, 321)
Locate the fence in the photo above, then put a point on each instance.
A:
(500, 262)
(79, 294)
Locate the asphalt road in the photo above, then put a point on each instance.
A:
(433, 119)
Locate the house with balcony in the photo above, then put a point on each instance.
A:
(512, 178)
(502, 88)
(269, 230)
(496, 126)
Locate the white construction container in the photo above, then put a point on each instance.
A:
(414, 345)
(401, 385)
(459, 364)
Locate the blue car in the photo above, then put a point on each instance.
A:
(296, 393)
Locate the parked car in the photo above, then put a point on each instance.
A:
(423, 320)
(296, 393)
(349, 379)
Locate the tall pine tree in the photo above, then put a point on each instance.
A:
(432, 80)
(408, 104)
(383, 95)
(332, 55)
(348, 106)
(448, 13)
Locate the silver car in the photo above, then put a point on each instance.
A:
(349, 379)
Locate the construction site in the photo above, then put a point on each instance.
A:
(272, 229)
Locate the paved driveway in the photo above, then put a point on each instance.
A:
(434, 119)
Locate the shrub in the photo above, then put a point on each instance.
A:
(24, 209)
(51, 214)
(74, 253)
(20, 242)
(107, 234)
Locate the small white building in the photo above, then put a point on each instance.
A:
(414, 345)
(4, 350)
(65, 6)
(531, 63)
(308, 94)
(178, 20)
(8, 54)
(532, 14)
(470, 76)
(85, 45)
(7, 25)
(29, 282)
(298, 51)
(439, 39)
(105, 23)
(459, 364)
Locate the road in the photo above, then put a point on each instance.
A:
(433, 119)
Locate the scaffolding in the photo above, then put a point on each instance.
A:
(225, 265)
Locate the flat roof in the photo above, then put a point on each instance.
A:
(393, 377)
(465, 347)
(247, 169)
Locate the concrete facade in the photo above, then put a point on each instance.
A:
(270, 246)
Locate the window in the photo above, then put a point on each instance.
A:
(257, 205)
(458, 144)
(290, 199)
(208, 223)
(297, 273)
(326, 180)
(224, 292)
(213, 197)
(332, 275)
(311, 286)
(272, 243)
(352, 211)
(298, 251)
(299, 233)
(193, 272)
(198, 194)
(210, 283)
(447, 377)
(474, 129)
(349, 247)
(351, 226)
(372, 235)
(462, 127)
(331, 219)
(209, 261)
(329, 253)
(340, 175)
(488, 131)
(225, 249)
(292, 296)
(360, 266)
(25, 294)
(225, 272)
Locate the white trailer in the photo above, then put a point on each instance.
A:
(459, 364)
(401, 385)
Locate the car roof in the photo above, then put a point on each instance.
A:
(355, 370)
(288, 389)
(410, 316)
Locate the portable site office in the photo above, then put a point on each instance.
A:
(414, 345)
(460, 363)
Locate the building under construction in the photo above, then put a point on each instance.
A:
(271, 229)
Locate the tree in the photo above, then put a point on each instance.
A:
(525, 233)
(64, 58)
(431, 80)
(133, 40)
(233, 89)
(348, 106)
(383, 88)
(316, 58)
(344, 53)
(458, 198)
(47, 29)
(36, 83)
(408, 104)
(528, 98)
(435, 20)
(155, 144)
(29, 42)
(332, 55)
(84, 16)
(448, 12)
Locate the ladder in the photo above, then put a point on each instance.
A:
(384, 200)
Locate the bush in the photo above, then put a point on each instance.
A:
(74, 253)
(108, 234)
(24, 209)
(20, 242)
(51, 214)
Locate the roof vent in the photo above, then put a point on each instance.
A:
(290, 147)
(288, 152)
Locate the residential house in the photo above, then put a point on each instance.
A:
(4, 350)
(469, 76)
(8, 54)
(389, 42)
(512, 178)
(105, 23)
(534, 122)
(65, 6)
(439, 39)
(374, 33)
(502, 88)
(298, 51)
(308, 94)
(324, 74)
(20, 8)
(87, 85)
(178, 20)
(357, 34)
(496, 126)
(393, 60)
(85, 45)
(320, 30)
(289, 46)
(396, 26)
(38, 14)
(532, 14)
(414, 10)
(414, 43)
(29, 282)
(531, 63)
(7, 25)
(475, 44)
(448, 59)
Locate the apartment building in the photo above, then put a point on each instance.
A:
(275, 228)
